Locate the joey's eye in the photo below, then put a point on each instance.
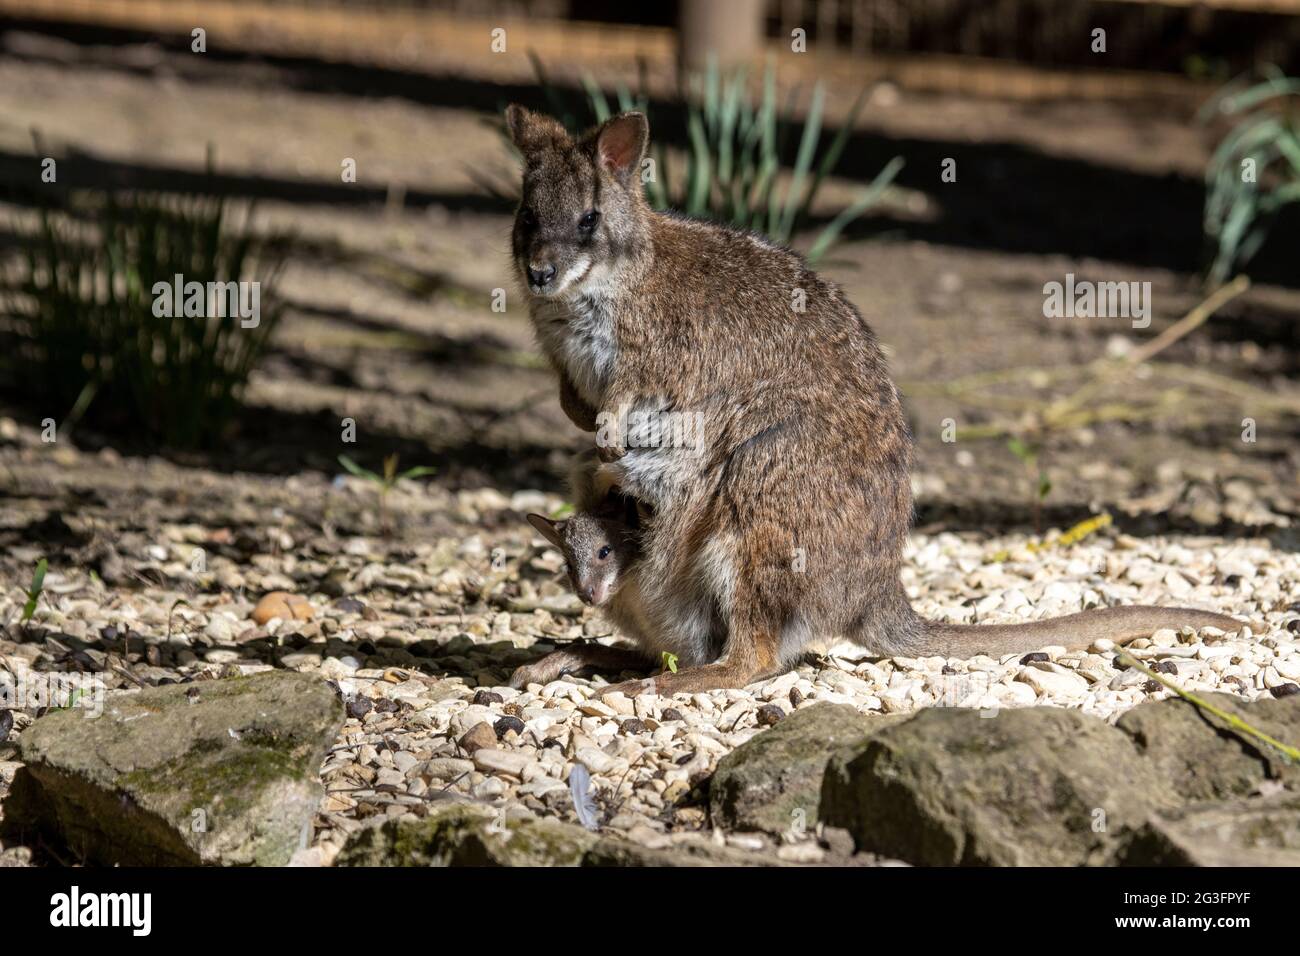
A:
(526, 218)
(603, 553)
(589, 220)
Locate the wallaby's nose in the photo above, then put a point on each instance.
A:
(588, 594)
(540, 277)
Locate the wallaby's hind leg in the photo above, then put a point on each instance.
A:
(570, 660)
(751, 658)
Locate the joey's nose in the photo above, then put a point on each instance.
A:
(588, 594)
(542, 276)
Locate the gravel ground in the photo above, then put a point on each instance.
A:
(156, 566)
(419, 631)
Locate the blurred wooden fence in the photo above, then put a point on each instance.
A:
(1201, 38)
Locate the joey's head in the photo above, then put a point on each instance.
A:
(582, 211)
(597, 550)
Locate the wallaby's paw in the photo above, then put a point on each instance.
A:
(539, 672)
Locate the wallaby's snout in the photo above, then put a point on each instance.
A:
(540, 276)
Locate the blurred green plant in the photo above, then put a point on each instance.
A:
(83, 319)
(733, 162)
(34, 592)
(384, 483)
(1255, 170)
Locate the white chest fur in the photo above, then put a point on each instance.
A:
(578, 334)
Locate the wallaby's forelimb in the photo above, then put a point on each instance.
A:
(576, 658)
(578, 411)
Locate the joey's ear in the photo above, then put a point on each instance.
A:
(621, 142)
(531, 131)
(552, 531)
(631, 513)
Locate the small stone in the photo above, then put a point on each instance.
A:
(358, 707)
(1165, 667)
(838, 841)
(447, 768)
(1281, 690)
(796, 698)
(501, 761)
(1152, 687)
(633, 725)
(620, 703)
(283, 605)
(1052, 680)
(671, 713)
(800, 853)
(489, 789)
(486, 698)
(219, 629)
(404, 761)
(477, 737)
(769, 715)
(350, 605)
(597, 761)
(1034, 657)
(507, 724)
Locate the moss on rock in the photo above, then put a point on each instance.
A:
(209, 772)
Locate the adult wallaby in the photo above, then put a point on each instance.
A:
(787, 522)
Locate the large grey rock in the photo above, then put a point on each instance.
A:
(210, 772)
(1042, 786)
(1032, 786)
(468, 834)
(1259, 831)
(774, 781)
(1199, 757)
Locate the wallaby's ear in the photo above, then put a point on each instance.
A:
(621, 142)
(552, 531)
(531, 131)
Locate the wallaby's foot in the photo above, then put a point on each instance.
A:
(693, 680)
(570, 660)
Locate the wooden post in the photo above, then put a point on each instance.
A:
(730, 30)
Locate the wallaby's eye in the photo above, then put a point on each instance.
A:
(526, 218)
(589, 220)
(603, 553)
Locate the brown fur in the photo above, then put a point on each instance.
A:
(790, 523)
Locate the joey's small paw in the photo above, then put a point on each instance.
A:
(631, 688)
(610, 453)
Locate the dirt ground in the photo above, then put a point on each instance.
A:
(390, 324)
(416, 246)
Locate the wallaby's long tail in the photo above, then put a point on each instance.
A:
(1074, 631)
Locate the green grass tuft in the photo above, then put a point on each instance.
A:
(81, 317)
